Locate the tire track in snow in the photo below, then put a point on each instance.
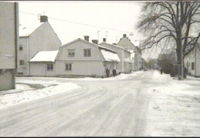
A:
(24, 117)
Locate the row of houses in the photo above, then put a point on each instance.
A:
(40, 53)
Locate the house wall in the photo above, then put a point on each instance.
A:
(43, 38)
(86, 66)
(193, 57)
(137, 61)
(123, 54)
(7, 79)
(23, 55)
(7, 35)
(40, 69)
(126, 43)
(8, 42)
(80, 68)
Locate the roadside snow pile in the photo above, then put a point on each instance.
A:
(174, 107)
(161, 77)
(44, 83)
(25, 96)
(121, 76)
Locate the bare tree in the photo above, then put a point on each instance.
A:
(174, 23)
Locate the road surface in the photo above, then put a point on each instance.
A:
(99, 108)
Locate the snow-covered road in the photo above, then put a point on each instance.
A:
(138, 104)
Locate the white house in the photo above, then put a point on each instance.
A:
(125, 64)
(43, 63)
(83, 58)
(192, 61)
(77, 58)
(136, 53)
(8, 44)
(37, 37)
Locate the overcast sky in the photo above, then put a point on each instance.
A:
(74, 19)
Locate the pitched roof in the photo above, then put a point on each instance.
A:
(28, 29)
(116, 46)
(45, 56)
(110, 56)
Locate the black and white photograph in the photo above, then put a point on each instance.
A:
(100, 68)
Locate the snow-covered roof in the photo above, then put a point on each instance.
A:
(110, 56)
(27, 30)
(116, 46)
(45, 56)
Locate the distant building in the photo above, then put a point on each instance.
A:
(33, 39)
(192, 62)
(8, 44)
(125, 64)
(126, 43)
(77, 58)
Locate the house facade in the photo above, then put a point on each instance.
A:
(83, 58)
(77, 58)
(192, 62)
(40, 37)
(125, 64)
(136, 53)
(8, 44)
(43, 63)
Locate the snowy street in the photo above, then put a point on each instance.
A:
(138, 104)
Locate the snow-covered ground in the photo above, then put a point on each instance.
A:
(174, 109)
(137, 104)
(28, 90)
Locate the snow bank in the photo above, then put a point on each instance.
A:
(161, 77)
(45, 56)
(174, 107)
(25, 96)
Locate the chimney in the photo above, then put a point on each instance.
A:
(95, 41)
(104, 39)
(124, 35)
(86, 38)
(43, 18)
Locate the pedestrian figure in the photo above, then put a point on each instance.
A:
(114, 72)
(107, 72)
(161, 71)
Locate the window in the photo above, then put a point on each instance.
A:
(87, 52)
(68, 67)
(192, 65)
(71, 52)
(49, 67)
(21, 62)
(20, 47)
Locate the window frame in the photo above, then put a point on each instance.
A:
(87, 52)
(49, 67)
(21, 62)
(20, 48)
(68, 66)
(70, 51)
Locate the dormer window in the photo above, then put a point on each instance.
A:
(87, 52)
(71, 52)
